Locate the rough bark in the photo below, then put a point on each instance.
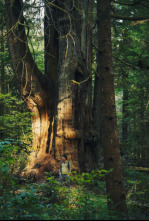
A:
(97, 118)
(72, 61)
(109, 132)
(86, 48)
(53, 99)
(72, 109)
(36, 89)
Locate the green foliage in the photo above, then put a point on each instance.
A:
(84, 200)
(36, 47)
(131, 51)
(34, 201)
(137, 193)
(15, 122)
(15, 141)
(50, 201)
(13, 155)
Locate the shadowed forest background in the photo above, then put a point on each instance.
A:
(74, 80)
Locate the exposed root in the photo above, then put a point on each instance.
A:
(43, 163)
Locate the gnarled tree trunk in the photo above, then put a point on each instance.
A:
(68, 56)
(36, 89)
(58, 119)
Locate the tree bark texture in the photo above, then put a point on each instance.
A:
(70, 61)
(108, 122)
(36, 89)
(53, 98)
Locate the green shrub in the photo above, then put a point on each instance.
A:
(15, 121)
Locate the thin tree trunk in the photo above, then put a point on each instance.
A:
(97, 116)
(2, 69)
(124, 109)
(109, 132)
(141, 152)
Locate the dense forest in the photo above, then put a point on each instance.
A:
(74, 82)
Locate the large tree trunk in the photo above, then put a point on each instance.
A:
(69, 56)
(36, 89)
(58, 119)
(108, 123)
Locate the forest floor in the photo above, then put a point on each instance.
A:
(85, 199)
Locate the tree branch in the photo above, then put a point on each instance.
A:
(121, 17)
(17, 37)
(24, 65)
(127, 64)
